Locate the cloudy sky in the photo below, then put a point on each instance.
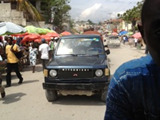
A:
(99, 10)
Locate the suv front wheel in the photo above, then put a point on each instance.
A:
(51, 95)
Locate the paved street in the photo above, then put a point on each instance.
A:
(28, 102)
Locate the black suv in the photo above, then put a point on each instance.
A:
(79, 67)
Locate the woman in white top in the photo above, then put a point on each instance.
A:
(33, 56)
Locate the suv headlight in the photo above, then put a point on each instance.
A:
(99, 73)
(53, 73)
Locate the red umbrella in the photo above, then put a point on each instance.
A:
(137, 35)
(65, 33)
(53, 34)
(30, 37)
(47, 38)
(20, 34)
(37, 40)
(93, 32)
(114, 34)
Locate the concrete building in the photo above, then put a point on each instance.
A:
(81, 25)
(118, 24)
(9, 13)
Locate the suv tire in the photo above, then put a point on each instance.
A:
(51, 95)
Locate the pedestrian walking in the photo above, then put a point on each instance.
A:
(44, 51)
(135, 42)
(55, 41)
(2, 68)
(51, 45)
(33, 56)
(124, 39)
(134, 89)
(12, 62)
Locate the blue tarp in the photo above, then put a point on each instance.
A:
(122, 33)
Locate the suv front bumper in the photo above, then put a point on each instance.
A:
(75, 86)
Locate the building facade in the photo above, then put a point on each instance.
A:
(18, 17)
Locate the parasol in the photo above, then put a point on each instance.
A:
(52, 34)
(137, 35)
(30, 37)
(122, 33)
(93, 32)
(65, 33)
(10, 28)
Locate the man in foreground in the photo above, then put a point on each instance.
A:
(134, 91)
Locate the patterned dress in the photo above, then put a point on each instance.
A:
(33, 56)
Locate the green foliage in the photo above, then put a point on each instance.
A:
(60, 10)
(132, 15)
(30, 12)
(90, 22)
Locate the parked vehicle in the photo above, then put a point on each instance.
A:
(113, 41)
(79, 67)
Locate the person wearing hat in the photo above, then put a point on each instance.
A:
(44, 51)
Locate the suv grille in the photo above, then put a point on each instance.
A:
(75, 73)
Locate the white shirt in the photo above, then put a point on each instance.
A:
(44, 48)
(55, 44)
(135, 40)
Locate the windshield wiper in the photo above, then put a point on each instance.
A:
(74, 55)
(67, 55)
(92, 55)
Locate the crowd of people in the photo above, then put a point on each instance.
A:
(133, 42)
(29, 53)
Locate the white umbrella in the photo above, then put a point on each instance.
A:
(10, 28)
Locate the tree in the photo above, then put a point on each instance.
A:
(30, 12)
(90, 22)
(56, 10)
(132, 15)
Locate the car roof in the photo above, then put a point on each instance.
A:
(81, 36)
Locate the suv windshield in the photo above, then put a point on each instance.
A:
(80, 46)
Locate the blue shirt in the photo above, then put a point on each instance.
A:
(134, 91)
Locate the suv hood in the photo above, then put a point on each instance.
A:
(77, 61)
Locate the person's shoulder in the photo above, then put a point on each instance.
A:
(135, 66)
(7, 46)
(40, 45)
(46, 45)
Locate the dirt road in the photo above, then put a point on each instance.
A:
(28, 102)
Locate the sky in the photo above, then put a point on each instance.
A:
(99, 10)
